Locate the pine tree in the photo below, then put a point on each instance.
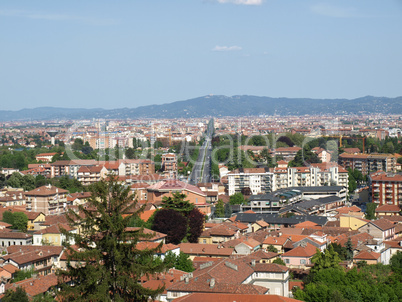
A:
(178, 203)
(104, 264)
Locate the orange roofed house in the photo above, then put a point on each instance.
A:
(167, 187)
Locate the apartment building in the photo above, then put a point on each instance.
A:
(261, 181)
(46, 199)
(320, 174)
(367, 163)
(258, 180)
(136, 167)
(69, 167)
(385, 188)
(169, 165)
(91, 174)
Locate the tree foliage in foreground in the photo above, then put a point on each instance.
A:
(105, 264)
(179, 219)
(376, 283)
(19, 295)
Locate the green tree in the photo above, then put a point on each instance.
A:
(349, 250)
(19, 295)
(28, 182)
(370, 210)
(279, 261)
(15, 180)
(327, 259)
(237, 198)
(23, 274)
(220, 209)
(20, 221)
(8, 217)
(78, 144)
(266, 157)
(228, 210)
(272, 249)
(396, 262)
(109, 264)
(46, 297)
(184, 263)
(304, 157)
(178, 203)
(130, 153)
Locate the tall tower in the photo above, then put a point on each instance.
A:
(52, 134)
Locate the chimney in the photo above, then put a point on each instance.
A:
(186, 279)
(212, 283)
(253, 263)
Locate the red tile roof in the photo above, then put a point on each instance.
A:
(308, 251)
(217, 297)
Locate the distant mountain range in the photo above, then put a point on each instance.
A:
(217, 106)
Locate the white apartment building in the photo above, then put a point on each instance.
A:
(261, 181)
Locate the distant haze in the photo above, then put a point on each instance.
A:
(220, 105)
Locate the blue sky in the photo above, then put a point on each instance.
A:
(129, 53)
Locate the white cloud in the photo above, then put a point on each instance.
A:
(226, 48)
(242, 2)
(333, 11)
(55, 17)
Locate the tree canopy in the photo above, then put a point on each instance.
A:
(105, 264)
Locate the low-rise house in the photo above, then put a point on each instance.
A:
(381, 229)
(12, 198)
(35, 219)
(234, 276)
(35, 286)
(8, 238)
(277, 242)
(78, 198)
(352, 222)
(300, 256)
(388, 210)
(243, 246)
(42, 259)
(205, 250)
(368, 256)
(166, 188)
(218, 297)
(52, 235)
(7, 271)
(169, 247)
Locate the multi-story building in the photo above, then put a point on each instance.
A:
(261, 181)
(257, 180)
(90, 174)
(367, 163)
(169, 165)
(69, 167)
(136, 167)
(385, 188)
(46, 199)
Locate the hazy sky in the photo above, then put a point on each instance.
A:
(129, 53)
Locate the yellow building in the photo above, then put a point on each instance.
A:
(352, 222)
(34, 220)
(52, 235)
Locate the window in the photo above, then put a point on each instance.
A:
(204, 240)
(287, 261)
(302, 261)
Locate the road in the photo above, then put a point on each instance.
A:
(202, 167)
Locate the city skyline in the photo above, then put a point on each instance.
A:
(97, 55)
